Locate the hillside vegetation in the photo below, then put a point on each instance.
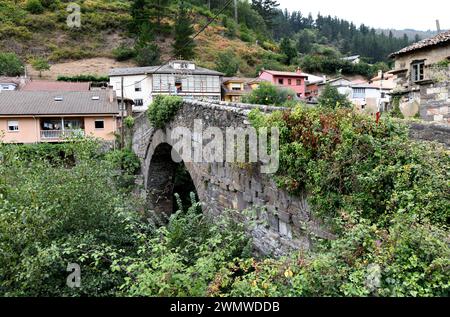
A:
(264, 35)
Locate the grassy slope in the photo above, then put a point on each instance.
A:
(103, 28)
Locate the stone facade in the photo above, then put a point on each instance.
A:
(284, 222)
(435, 102)
(428, 95)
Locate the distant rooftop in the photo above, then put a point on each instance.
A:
(290, 74)
(42, 85)
(57, 103)
(441, 38)
(164, 69)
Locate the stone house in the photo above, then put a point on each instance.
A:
(423, 78)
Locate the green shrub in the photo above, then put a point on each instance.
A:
(227, 63)
(123, 53)
(163, 109)
(147, 55)
(331, 98)
(269, 94)
(125, 160)
(34, 6)
(10, 65)
(84, 78)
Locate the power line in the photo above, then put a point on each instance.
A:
(211, 20)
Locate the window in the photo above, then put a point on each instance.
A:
(236, 86)
(138, 102)
(299, 82)
(289, 82)
(359, 93)
(281, 81)
(13, 126)
(99, 124)
(417, 71)
(137, 86)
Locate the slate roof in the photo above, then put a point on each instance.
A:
(439, 39)
(44, 103)
(164, 69)
(41, 85)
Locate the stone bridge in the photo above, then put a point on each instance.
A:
(284, 222)
(287, 221)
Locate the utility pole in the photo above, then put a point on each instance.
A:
(122, 131)
(235, 11)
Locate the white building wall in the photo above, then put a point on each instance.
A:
(129, 83)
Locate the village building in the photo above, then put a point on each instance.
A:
(312, 87)
(355, 59)
(373, 96)
(423, 78)
(295, 81)
(178, 78)
(234, 88)
(52, 116)
(12, 83)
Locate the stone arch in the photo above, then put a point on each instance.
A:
(160, 179)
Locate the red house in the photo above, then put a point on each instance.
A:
(295, 81)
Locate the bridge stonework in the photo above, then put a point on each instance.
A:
(285, 222)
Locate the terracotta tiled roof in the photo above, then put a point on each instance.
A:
(41, 85)
(292, 74)
(441, 38)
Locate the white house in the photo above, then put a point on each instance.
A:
(8, 86)
(367, 94)
(362, 94)
(355, 59)
(181, 78)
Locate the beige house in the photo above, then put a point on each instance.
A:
(50, 116)
(423, 78)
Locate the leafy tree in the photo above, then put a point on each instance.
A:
(227, 63)
(288, 49)
(331, 98)
(163, 109)
(184, 45)
(40, 64)
(269, 94)
(10, 65)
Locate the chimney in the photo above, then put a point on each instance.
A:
(299, 71)
(111, 94)
(438, 26)
(380, 74)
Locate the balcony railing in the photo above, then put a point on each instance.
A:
(60, 134)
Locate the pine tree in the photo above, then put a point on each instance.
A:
(184, 45)
(288, 50)
(267, 9)
(139, 15)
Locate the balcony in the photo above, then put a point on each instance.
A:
(57, 135)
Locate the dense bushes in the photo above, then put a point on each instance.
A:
(163, 109)
(84, 78)
(385, 196)
(269, 94)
